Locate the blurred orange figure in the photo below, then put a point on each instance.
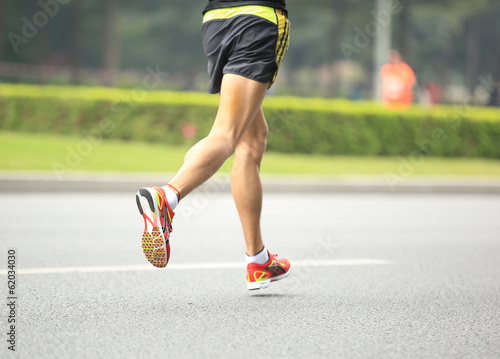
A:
(397, 82)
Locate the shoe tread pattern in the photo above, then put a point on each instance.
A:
(154, 248)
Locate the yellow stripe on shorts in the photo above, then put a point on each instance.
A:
(283, 39)
(227, 13)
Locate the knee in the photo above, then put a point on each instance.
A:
(254, 147)
(252, 151)
(225, 141)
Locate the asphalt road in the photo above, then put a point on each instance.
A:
(373, 276)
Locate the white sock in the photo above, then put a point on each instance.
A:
(172, 198)
(260, 258)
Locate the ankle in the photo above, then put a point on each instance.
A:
(172, 196)
(261, 257)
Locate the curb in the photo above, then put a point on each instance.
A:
(36, 183)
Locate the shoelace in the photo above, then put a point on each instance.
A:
(165, 219)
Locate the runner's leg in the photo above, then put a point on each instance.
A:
(240, 100)
(246, 184)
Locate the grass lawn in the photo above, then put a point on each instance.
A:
(42, 152)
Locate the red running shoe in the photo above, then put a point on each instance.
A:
(157, 214)
(261, 275)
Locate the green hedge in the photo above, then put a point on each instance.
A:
(338, 127)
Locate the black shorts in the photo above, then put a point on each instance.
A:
(249, 41)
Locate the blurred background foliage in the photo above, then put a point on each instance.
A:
(453, 43)
(296, 125)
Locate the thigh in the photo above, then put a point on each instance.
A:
(240, 101)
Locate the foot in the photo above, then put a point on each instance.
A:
(157, 215)
(261, 275)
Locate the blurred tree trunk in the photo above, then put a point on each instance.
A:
(76, 42)
(43, 51)
(111, 49)
(2, 28)
(444, 72)
(494, 99)
(472, 53)
(404, 31)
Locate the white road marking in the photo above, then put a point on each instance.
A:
(196, 266)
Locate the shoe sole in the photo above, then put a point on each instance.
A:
(266, 283)
(154, 245)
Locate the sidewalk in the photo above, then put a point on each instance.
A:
(22, 182)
